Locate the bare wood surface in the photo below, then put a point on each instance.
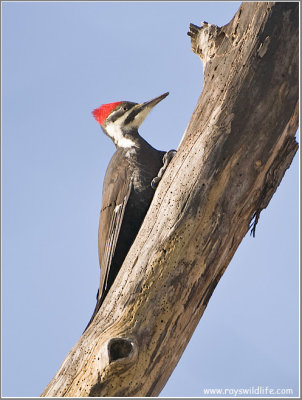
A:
(234, 153)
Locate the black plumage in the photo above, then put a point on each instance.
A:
(127, 191)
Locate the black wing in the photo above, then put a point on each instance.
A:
(109, 229)
(116, 191)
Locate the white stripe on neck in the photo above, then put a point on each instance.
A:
(116, 134)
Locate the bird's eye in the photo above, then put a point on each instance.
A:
(125, 108)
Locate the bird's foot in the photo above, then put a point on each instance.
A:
(166, 161)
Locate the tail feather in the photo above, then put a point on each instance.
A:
(96, 309)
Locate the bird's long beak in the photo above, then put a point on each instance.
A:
(151, 103)
(139, 112)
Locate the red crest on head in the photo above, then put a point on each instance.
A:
(101, 113)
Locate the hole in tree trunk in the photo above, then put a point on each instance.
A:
(119, 348)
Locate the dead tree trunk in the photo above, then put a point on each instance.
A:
(234, 153)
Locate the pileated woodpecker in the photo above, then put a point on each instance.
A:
(129, 183)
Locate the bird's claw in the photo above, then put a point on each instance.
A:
(166, 161)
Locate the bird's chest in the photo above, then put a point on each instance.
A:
(143, 168)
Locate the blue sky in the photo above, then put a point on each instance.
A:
(60, 61)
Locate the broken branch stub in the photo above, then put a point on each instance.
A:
(234, 153)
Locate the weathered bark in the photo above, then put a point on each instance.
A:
(234, 153)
